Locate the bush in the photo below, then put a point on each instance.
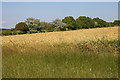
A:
(22, 27)
(9, 32)
(110, 24)
(33, 31)
(6, 32)
(43, 30)
(20, 32)
(12, 29)
(14, 32)
(116, 22)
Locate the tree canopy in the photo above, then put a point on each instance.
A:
(84, 22)
(100, 22)
(70, 21)
(22, 26)
(58, 24)
(116, 22)
(33, 25)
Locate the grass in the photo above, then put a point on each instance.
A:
(42, 56)
(57, 65)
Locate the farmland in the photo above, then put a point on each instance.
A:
(84, 53)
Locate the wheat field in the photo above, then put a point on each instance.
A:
(110, 33)
(61, 54)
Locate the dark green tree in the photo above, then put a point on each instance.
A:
(110, 24)
(84, 22)
(70, 21)
(100, 23)
(12, 29)
(22, 26)
(45, 26)
(116, 22)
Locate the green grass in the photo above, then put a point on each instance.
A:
(63, 61)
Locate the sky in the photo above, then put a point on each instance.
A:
(60, 0)
(15, 12)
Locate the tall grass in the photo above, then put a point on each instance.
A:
(83, 60)
(59, 55)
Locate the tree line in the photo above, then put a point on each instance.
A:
(32, 25)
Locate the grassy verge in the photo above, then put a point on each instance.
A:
(83, 60)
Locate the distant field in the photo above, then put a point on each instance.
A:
(85, 53)
(109, 33)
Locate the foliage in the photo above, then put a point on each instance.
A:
(110, 24)
(9, 32)
(33, 31)
(12, 29)
(58, 25)
(22, 26)
(84, 22)
(19, 32)
(100, 22)
(33, 23)
(6, 32)
(45, 26)
(70, 21)
(116, 22)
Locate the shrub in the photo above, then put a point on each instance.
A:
(6, 32)
(110, 24)
(22, 27)
(43, 30)
(9, 32)
(12, 29)
(20, 32)
(33, 31)
(116, 22)
(14, 32)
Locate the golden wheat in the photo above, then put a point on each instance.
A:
(72, 62)
(110, 33)
(40, 41)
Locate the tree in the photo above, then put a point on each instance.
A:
(116, 22)
(84, 22)
(33, 23)
(70, 21)
(100, 22)
(22, 26)
(110, 24)
(58, 24)
(12, 29)
(45, 25)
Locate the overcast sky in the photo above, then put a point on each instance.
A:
(14, 12)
